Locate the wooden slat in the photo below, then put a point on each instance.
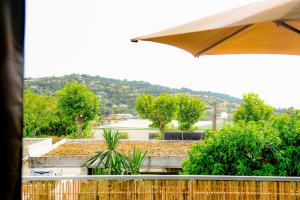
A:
(159, 189)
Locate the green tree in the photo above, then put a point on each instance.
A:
(145, 105)
(77, 102)
(159, 110)
(253, 109)
(189, 111)
(41, 116)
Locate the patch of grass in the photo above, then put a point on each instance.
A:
(84, 135)
(123, 135)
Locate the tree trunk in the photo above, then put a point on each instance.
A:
(162, 131)
(214, 117)
(79, 123)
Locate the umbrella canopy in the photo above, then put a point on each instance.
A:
(264, 27)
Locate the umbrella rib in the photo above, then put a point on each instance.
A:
(223, 40)
(287, 26)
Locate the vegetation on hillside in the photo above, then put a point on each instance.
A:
(118, 96)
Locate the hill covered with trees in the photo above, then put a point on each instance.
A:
(118, 96)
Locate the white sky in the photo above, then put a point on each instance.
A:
(93, 37)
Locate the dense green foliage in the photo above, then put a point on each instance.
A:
(189, 111)
(253, 109)
(159, 110)
(77, 102)
(113, 162)
(118, 96)
(41, 116)
(60, 115)
(241, 149)
(288, 157)
(258, 144)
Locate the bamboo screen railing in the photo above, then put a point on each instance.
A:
(160, 187)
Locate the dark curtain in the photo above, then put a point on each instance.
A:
(12, 16)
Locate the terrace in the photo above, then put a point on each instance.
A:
(162, 156)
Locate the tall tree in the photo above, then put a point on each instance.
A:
(253, 109)
(159, 110)
(190, 110)
(39, 113)
(76, 101)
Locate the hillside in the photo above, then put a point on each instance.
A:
(118, 96)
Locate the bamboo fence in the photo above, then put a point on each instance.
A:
(165, 188)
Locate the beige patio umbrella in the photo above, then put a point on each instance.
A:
(263, 27)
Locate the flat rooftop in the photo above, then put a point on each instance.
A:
(26, 142)
(153, 148)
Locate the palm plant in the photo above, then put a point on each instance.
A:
(110, 160)
(134, 161)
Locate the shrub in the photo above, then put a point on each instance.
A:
(253, 148)
(240, 149)
(288, 158)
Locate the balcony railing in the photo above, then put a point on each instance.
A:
(160, 187)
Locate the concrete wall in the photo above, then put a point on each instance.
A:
(27, 142)
(59, 171)
(77, 161)
(73, 165)
(40, 147)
